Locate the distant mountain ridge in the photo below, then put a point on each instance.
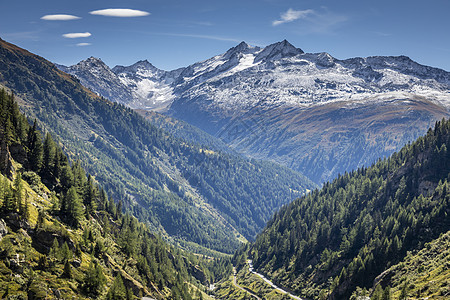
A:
(325, 77)
(309, 111)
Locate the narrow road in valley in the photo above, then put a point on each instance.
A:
(250, 268)
(240, 287)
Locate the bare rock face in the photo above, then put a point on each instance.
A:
(19, 154)
(198, 274)
(16, 223)
(6, 167)
(3, 229)
(43, 240)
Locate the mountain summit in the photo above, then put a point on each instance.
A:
(277, 51)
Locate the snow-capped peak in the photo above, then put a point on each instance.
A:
(93, 65)
(278, 50)
(242, 48)
(90, 62)
(140, 66)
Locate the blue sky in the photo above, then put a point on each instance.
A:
(172, 34)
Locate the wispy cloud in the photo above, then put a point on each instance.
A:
(59, 17)
(83, 44)
(382, 33)
(199, 23)
(75, 35)
(321, 20)
(22, 36)
(120, 12)
(325, 21)
(292, 15)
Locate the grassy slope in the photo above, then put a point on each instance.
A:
(21, 243)
(24, 244)
(424, 274)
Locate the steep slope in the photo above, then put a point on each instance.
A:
(194, 195)
(94, 73)
(185, 131)
(309, 111)
(62, 236)
(345, 234)
(422, 274)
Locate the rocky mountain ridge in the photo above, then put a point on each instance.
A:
(302, 78)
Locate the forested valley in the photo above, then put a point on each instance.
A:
(338, 239)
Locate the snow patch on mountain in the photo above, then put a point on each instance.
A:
(150, 87)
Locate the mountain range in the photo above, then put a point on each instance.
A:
(314, 113)
(201, 198)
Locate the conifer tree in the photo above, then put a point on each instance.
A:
(35, 148)
(18, 193)
(90, 198)
(67, 271)
(54, 250)
(94, 279)
(26, 209)
(72, 208)
(66, 176)
(117, 291)
(49, 156)
(9, 203)
(65, 252)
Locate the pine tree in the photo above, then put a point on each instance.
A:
(117, 291)
(65, 252)
(26, 209)
(90, 198)
(10, 203)
(65, 175)
(18, 193)
(35, 148)
(54, 250)
(41, 218)
(67, 271)
(49, 157)
(72, 208)
(94, 279)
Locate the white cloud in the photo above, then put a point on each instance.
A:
(76, 35)
(83, 44)
(120, 12)
(59, 17)
(292, 15)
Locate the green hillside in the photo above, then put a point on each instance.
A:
(338, 238)
(62, 236)
(423, 274)
(196, 197)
